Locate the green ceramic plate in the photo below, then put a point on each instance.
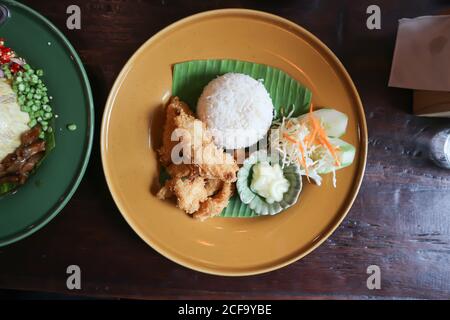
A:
(48, 191)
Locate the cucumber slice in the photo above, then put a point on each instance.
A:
(334, 122)
(346, 154)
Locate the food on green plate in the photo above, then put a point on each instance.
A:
(269, 182)
(72, 127)
(306, 140)
(237, 109)
(286, 184)
(25, 116)
(13, 121)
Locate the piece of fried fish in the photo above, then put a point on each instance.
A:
(202, 175)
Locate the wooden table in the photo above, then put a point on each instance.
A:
(400, 220)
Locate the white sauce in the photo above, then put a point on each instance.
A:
(13, 122)
(269, 182)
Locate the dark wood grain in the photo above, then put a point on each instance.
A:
(400, 220)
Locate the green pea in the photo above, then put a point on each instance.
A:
(72, 127)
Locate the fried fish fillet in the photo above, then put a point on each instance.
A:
(202, 176)
(182, 170)
(213, 163)
(165, 192)
(214, 205)
(173, 109)
(190, 192)
(213, 186)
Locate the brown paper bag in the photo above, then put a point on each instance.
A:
(431, 103)
(422, 63)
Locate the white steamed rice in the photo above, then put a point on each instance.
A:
(237, 109)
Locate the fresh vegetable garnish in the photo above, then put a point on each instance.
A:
(27, 83)
(30, 94)
(71, 127)
(322, 138)
(310, 142)
(302, 160)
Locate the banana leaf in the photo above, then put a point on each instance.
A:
(189, 79)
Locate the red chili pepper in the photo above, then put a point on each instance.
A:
(15, 67)
(5, 58)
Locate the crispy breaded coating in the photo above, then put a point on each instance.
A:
(214, 205)
(213, 163)
(212, 186)
(190, 193)
(182, 170)
(173, 109)
(165, 192)
(202, 180)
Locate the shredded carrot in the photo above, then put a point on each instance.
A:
(311, 137)
(302, 151)
(317, 134)
(289, 138)
(323, 138)
(331, 149)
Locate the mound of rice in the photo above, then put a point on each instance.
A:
(237, 109)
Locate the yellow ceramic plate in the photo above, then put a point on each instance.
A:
(132, 127)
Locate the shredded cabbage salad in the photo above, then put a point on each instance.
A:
(302, 141)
